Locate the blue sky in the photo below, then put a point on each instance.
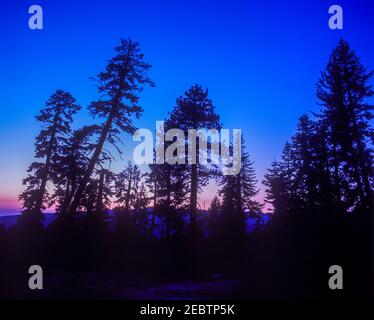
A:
(260, 61)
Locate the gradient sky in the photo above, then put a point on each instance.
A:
(259, 59)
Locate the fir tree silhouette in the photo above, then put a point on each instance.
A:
(56, 119)
(124, 77)
(194, 110)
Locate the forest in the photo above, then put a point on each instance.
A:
(147, 225)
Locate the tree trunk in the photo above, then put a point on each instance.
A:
(154, 210)
(47, 165)
(82, 186)
(193, 197)
(239, 195)
(127, 200)
(108, 125)
(364, 185)
(99, 202)
(69, 196)
(336, 178)
(66, 198)
(168, 206)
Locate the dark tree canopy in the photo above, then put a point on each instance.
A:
(119, 85)
(327, 166)
(194, 110)
(342, 90)
(56, 119)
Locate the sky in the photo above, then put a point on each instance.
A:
(260, 61)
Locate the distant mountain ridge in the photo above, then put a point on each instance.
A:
(10, 219)
(9, 211)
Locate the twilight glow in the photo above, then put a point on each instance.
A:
(251, 56)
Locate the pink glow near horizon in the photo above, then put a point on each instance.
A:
(204, 201)
(10, 203)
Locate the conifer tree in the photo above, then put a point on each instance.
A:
(126, 186)
(275, 188)
(119, 85)
(71, 164)
(152, 181)
(342, 90)
(280, 183)
(304, 159)
(214, 219)
(238, 191)
(194, 110)
(105, 190)
(56, 119)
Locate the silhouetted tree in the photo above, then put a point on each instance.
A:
(88, 202)
(56, 119)
(141, 198)
(171, 192)
(71, 164)
(303, 163)
(194, 110)
(342, 89)
(124, 77)
(275, 188)
(214, 220)
(247, 185)
(280, 183)
(238, 192)
(126, 187)
(105, 190)
(152, 180)
(325, 201)
(141, 202)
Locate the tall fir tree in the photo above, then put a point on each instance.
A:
(194, 110)
(56, 119)
(342, 90)
(120, 84)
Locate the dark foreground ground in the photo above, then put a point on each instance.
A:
(125, 287)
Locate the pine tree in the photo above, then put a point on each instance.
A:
(124, 77)
(88, 202)
(152, 181)
(141, 202)
(342, 90)
(141, 198)
(56, 119)
(275, 188)
(214, 219)
(71, 164)
(288, 162)
(247, 185)
(281, 185)
(194, 110)
(325, 202)
(303, 157)
(105, 190)
(171, 192)
(238, 193)
(126, 186)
